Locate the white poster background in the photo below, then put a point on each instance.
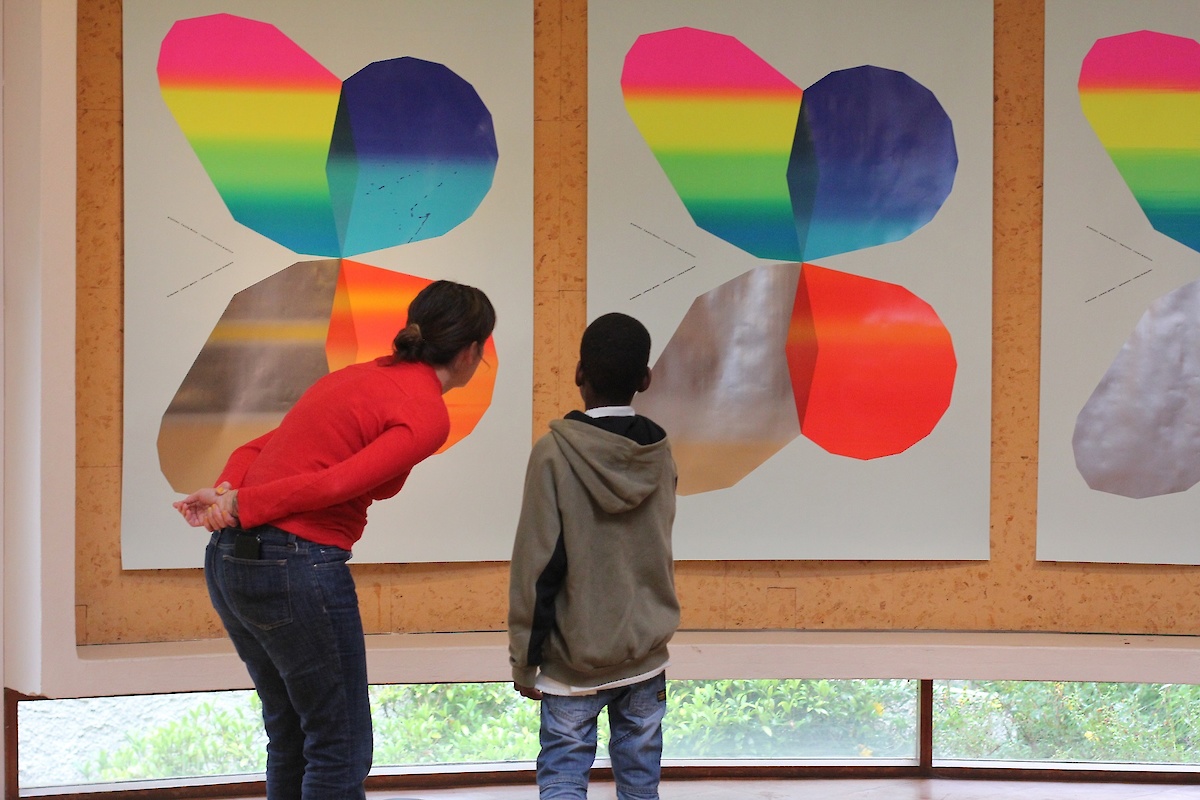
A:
(930, 502)
(1095, 237)
(461, 505)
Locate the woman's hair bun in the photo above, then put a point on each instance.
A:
(409, 343)
(444, 318)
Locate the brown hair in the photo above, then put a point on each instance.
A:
(444, 318)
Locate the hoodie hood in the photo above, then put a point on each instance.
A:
(617, 472)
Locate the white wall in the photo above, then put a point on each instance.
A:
(39, 323)
(3, 750)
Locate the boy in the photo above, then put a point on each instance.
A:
(592, 591)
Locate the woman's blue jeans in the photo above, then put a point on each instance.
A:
(568, 738)
(292, 614)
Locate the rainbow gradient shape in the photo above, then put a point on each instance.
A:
(864, 157)
(403, 150)
(1141, 94)
(721, 123)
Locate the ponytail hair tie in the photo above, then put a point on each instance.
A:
(409, 344)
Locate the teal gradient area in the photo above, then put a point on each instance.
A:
(1166, 184)
(397, 201)
(342, 171)
(1179, 223)
(301, 227)
(278, 189)
(740, 197)
(763, 229)
(875, 162)
(424, 151)
(830, 235)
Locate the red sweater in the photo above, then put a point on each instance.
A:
(351, 438)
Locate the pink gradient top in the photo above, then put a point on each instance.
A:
(235, 52)
(688, 59)
(1145, 60)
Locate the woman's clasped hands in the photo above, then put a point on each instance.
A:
(213, 508)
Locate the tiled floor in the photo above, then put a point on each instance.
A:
(839, 789)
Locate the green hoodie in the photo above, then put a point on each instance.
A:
(592, 587)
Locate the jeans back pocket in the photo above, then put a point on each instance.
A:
(258, 591)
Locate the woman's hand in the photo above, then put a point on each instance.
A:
(212, 508)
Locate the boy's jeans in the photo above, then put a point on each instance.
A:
(568, 738)
(293, 617)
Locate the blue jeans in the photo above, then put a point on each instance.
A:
(293, 617)
(568, 739)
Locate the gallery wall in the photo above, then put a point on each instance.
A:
(1011, 591)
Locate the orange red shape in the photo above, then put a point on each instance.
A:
(872, 366)
(368, 309)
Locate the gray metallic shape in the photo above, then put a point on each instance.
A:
(1138, 435)
(239, 388)
(721, 387)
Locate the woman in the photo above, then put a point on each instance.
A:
(285, 513)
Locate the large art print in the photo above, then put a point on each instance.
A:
(295, 172)
(1119, 449)
(795, 197)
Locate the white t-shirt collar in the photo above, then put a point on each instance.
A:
(610, 411)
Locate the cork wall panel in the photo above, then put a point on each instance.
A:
(1010, 592)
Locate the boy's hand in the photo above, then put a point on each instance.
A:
(528, 691)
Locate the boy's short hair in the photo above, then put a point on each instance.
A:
(614, 355)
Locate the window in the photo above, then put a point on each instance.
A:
(104, 740)
(1023, 721)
